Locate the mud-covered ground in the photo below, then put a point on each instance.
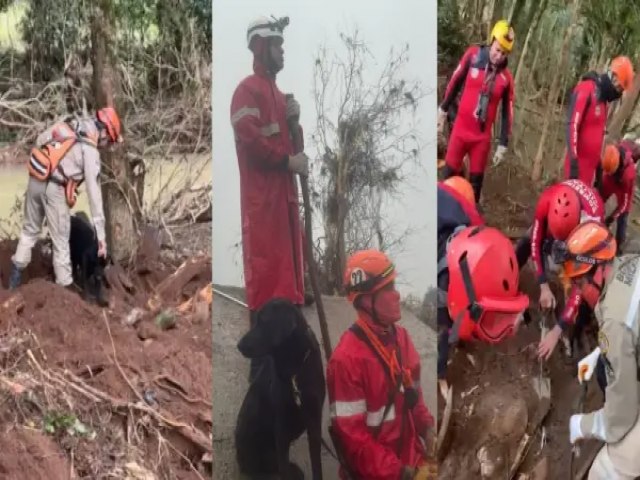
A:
(231, 371)
(106, 393)
(494, 399)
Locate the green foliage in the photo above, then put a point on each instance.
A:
(148, 33)
(451, 39)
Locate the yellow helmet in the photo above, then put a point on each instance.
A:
(504, 34)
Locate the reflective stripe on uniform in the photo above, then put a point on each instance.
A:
(631, 319)
(244, 112)
(598, 429)
(348, 409)
(375, 418)
(359, 407)
(270, 129)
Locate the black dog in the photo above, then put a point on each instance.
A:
(286, 396)
(88, 268)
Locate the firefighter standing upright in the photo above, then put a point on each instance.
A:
(484, 80)
(271, 231)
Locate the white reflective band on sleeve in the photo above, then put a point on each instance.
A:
(348, 409)
(244, 112)
(270, 129)
(598, 429)
(632, 313)
(375, 418)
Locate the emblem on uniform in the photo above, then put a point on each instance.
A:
(474, 73)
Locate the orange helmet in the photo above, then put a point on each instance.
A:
(109, 118)
(588, 245)
(564, 212)
(622, 68)
(611, 159)
(367, 271)
(462, 186)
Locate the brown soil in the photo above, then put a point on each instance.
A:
(503, 375)
(168, 371)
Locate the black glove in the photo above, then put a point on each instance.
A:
(608, 221)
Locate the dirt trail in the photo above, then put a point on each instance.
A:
(231, 372)
(69, 403)
(501, 379)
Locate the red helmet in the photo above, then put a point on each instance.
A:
(367, 271)
(564, 211)
(483, 297)
(109, 118)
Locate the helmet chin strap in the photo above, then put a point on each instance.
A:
(371, 312)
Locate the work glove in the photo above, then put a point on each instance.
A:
(427, 471)
(293, 108)
(442, 118)
(587, 366)
(575, 432)
(498, 157)
(299, 163)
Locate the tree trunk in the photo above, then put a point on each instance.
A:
(525, 47)
(121, 208)
(553, 95)
(615, 130)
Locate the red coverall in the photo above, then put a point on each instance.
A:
(585, 131)
(592, 209)
(271, 232)
(621, 185)
(359, 389)
(469, 135)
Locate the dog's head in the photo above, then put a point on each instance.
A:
(279, 324)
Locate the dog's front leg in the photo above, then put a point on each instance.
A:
(282, 445)
(314, 435)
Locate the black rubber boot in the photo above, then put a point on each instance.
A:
(15, 277)
(476, 179)
(448, 172)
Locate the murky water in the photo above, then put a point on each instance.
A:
(163, 179)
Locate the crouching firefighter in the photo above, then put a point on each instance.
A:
(66, 155)
(456, 211)
(482, 292)
(611, 286)
(380, 424)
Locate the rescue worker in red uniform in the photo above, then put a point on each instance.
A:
(619, 180)
(380, 423)
(560, 209)
(271, 231)
(484, 80)
(456, 211)
(587, 119)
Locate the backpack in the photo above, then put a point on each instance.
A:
(45, 160)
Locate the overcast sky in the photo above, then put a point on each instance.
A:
(382, 24)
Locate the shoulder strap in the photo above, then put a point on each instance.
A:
(357, 331)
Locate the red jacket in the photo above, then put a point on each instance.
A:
(621, 184)
(271, 233)
(585, 130)
(469, 78)
(592, 209)
(359, 389)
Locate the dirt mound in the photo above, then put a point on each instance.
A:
(26, 453)
(131, 383)
(499, 379)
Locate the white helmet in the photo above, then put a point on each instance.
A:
(264, 27)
